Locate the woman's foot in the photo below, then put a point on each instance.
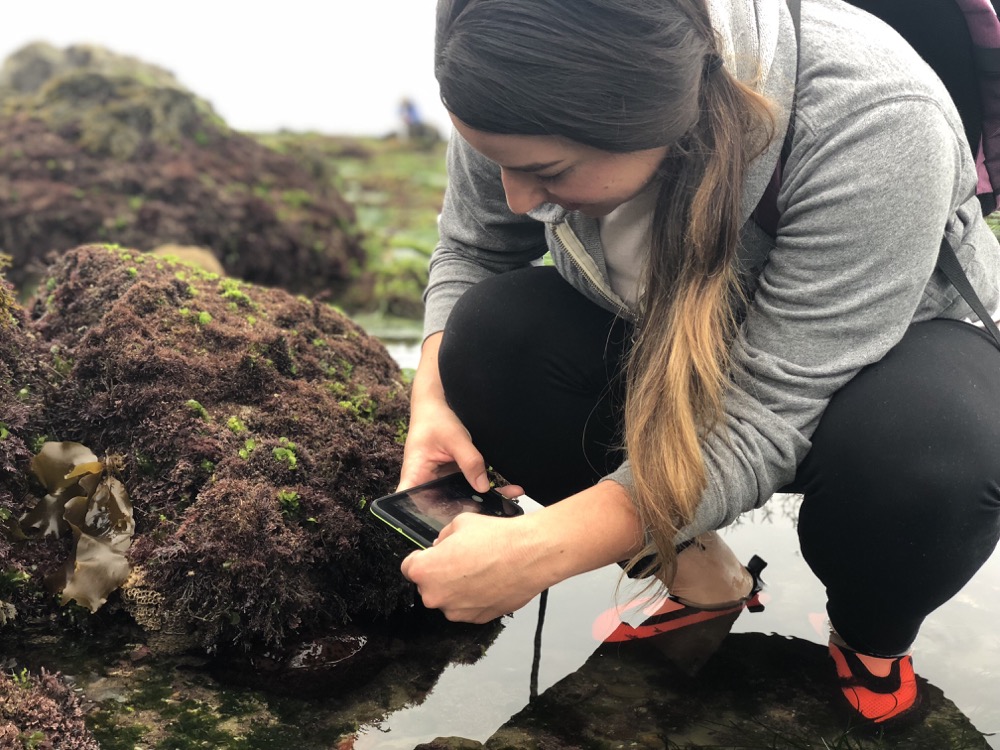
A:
(665, 614)
(881, 691)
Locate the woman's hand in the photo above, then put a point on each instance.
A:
(482, 567)
(437, 443)
(479, 568)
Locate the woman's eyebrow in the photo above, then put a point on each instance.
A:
(535, 166)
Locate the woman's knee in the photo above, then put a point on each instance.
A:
(926, 416)
(528, 329)
(498, 313)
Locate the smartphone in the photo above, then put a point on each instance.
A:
(420, 512)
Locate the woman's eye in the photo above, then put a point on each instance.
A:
(548, 178)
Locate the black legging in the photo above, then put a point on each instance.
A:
(901, 497)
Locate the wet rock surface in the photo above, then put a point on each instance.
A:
(134, 699)
(758, 691)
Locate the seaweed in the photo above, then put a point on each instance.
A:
(245, 471)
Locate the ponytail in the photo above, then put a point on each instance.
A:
(678, 368)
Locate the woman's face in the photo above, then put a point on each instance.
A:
(538, 169)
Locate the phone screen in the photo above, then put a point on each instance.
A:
(436, 507)
(420, 512)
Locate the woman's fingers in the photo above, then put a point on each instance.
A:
(416, 472)
(510, 491)
(474, 572)
(471, 462)
(407, 564)
(436, 445)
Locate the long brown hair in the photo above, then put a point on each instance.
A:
(627, 75)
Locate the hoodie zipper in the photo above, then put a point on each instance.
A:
(577, 253)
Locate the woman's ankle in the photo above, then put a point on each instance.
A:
(879, 666)
(710, 576)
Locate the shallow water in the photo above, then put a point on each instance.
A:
(406, 353)
(958, 649)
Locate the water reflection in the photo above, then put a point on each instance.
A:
(957, 652)
(474, 700)
(958, 648)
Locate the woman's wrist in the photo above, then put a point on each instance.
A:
(594, 528)
(427, 388)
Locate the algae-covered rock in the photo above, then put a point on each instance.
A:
(20, 389)
(201, 257)
(253, 426)
(397, 190)
(41, 712)
(32, 66)
(99, 148)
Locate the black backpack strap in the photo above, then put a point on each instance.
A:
(952, 269)
(766, 212)
(795, 8)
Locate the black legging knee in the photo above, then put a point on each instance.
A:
(531, 368)
(902, 502)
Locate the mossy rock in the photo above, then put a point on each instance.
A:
(255, 426)
(32, 66)
(96, 153)
(397, 190)
(21, 385)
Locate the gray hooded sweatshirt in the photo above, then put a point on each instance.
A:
(879, 168)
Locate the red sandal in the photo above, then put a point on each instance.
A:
(877, 701)
(672, 613)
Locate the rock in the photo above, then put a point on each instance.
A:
(449, 743)
(254, 428)
(21, 382)
(99, 148)
(202, 257)
(34, 65)
(757, 691)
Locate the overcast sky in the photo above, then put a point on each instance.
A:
(335, 66)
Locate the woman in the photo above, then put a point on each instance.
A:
(679, 366)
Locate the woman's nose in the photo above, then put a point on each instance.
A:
(524, 192)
